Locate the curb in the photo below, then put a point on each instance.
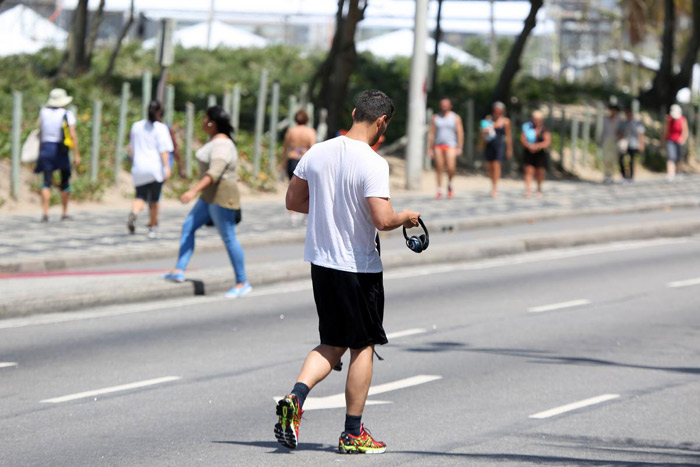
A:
(214, 281)
(252, 240)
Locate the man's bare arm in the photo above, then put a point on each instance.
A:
(297, 199)
(385, 218)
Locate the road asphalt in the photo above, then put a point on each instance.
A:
(577, 356)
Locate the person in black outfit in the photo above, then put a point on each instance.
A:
(536, 139)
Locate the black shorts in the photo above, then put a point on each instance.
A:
(537, 159)
(65, 179)
(350, 307)
(291, 167)
(150, 192)
(495, 151)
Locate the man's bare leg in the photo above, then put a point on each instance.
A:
(358, 380)
(319, 363)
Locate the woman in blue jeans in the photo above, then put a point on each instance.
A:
(219, 201)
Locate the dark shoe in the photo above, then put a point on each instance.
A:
(66, 217)
(44, 218)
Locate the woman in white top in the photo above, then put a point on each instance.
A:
(151, 145)
(54, 122)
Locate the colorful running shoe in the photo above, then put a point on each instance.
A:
(237, 292)
(288, 421)
(363, 444)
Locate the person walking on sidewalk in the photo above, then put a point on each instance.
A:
(608, 142)
(57, 136)
(675, 136)
(151, 145)
(499, 144)
(297, 141)
(632, 142)
(445, 143)
(536, 140)
(219, 202)
(344, 187)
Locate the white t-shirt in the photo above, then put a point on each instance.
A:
(51, 123)
(149, 141)
(341, 174)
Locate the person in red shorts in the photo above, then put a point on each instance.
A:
(445, 143)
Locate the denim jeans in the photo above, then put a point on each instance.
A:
(225, 222)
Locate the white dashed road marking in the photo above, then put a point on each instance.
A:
(100, 392)
(559, 306)
(7, 364)
(406, 333)
(686, 283)
(575, 406)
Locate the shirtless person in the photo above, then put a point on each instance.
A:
(297, 141)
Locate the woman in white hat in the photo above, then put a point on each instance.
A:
(57, 136)
(675, 135)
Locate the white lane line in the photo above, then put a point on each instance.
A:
(575, 406)
(558, 306)
(123, 387)
(406, 333)
(302, 285)
(7, 364)
(686, 283)
(337, 401)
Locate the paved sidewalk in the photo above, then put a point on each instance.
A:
(100, 237)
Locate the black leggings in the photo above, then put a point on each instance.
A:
(631, 153)
(65, 179)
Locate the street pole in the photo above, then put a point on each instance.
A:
(146, 92)
(226, 104)
(211, 100)
(210, 23)
(16, 140)
(260, 121)
(169, 104)
(322, 129)
(95, 140)
(311, 111)
(574, 142)
(274, 119)
(121, 130)
(426, 157)
(291, 111)
(586, 135)
(493, 50)
(189, 135)
(95, 153)
(236, 107)
(416, 99)
(470, 133)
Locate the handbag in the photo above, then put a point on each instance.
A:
(30, 148)
(67, 140)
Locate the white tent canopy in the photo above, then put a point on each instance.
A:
(400, 44)
(221, 35)
(22, 30)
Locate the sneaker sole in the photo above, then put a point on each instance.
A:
(352, 450)
(284, 432)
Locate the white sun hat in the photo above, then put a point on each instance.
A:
(58, 98)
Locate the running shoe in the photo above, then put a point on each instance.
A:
(131, 223)
(237, 292)
(44, 218)
(450, 193)
(66, 217)
(288, 420)
(438, 195)
(363, 444)
(152, 233)
(178, 277)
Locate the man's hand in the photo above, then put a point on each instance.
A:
(459, 151)
(412, 217)
(166, 175)
(183, 173)
(76, 158)
(187, 196)
(431, 152)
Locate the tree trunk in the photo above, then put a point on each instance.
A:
(78, 63)
(438, 37)
(666, 84)
(117, 47)
(334, 73)
(502, 90)
(94, 27)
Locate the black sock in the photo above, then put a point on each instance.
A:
(353, 424)
(300, 390)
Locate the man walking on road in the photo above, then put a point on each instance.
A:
(344, 187)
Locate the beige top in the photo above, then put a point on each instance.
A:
(218, 159)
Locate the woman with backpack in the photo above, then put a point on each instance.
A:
(57, 136)
(536, 139)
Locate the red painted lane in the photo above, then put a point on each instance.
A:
(38, 275)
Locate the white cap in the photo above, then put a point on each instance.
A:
(676, 111)
(58, 98)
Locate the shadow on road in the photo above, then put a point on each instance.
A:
(281, 450)
(543, 356)
(535, 459)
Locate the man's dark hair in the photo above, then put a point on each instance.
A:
(371, 105)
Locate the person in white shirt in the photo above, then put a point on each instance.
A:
(56, 134)
(151, 145)
(343, 185)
